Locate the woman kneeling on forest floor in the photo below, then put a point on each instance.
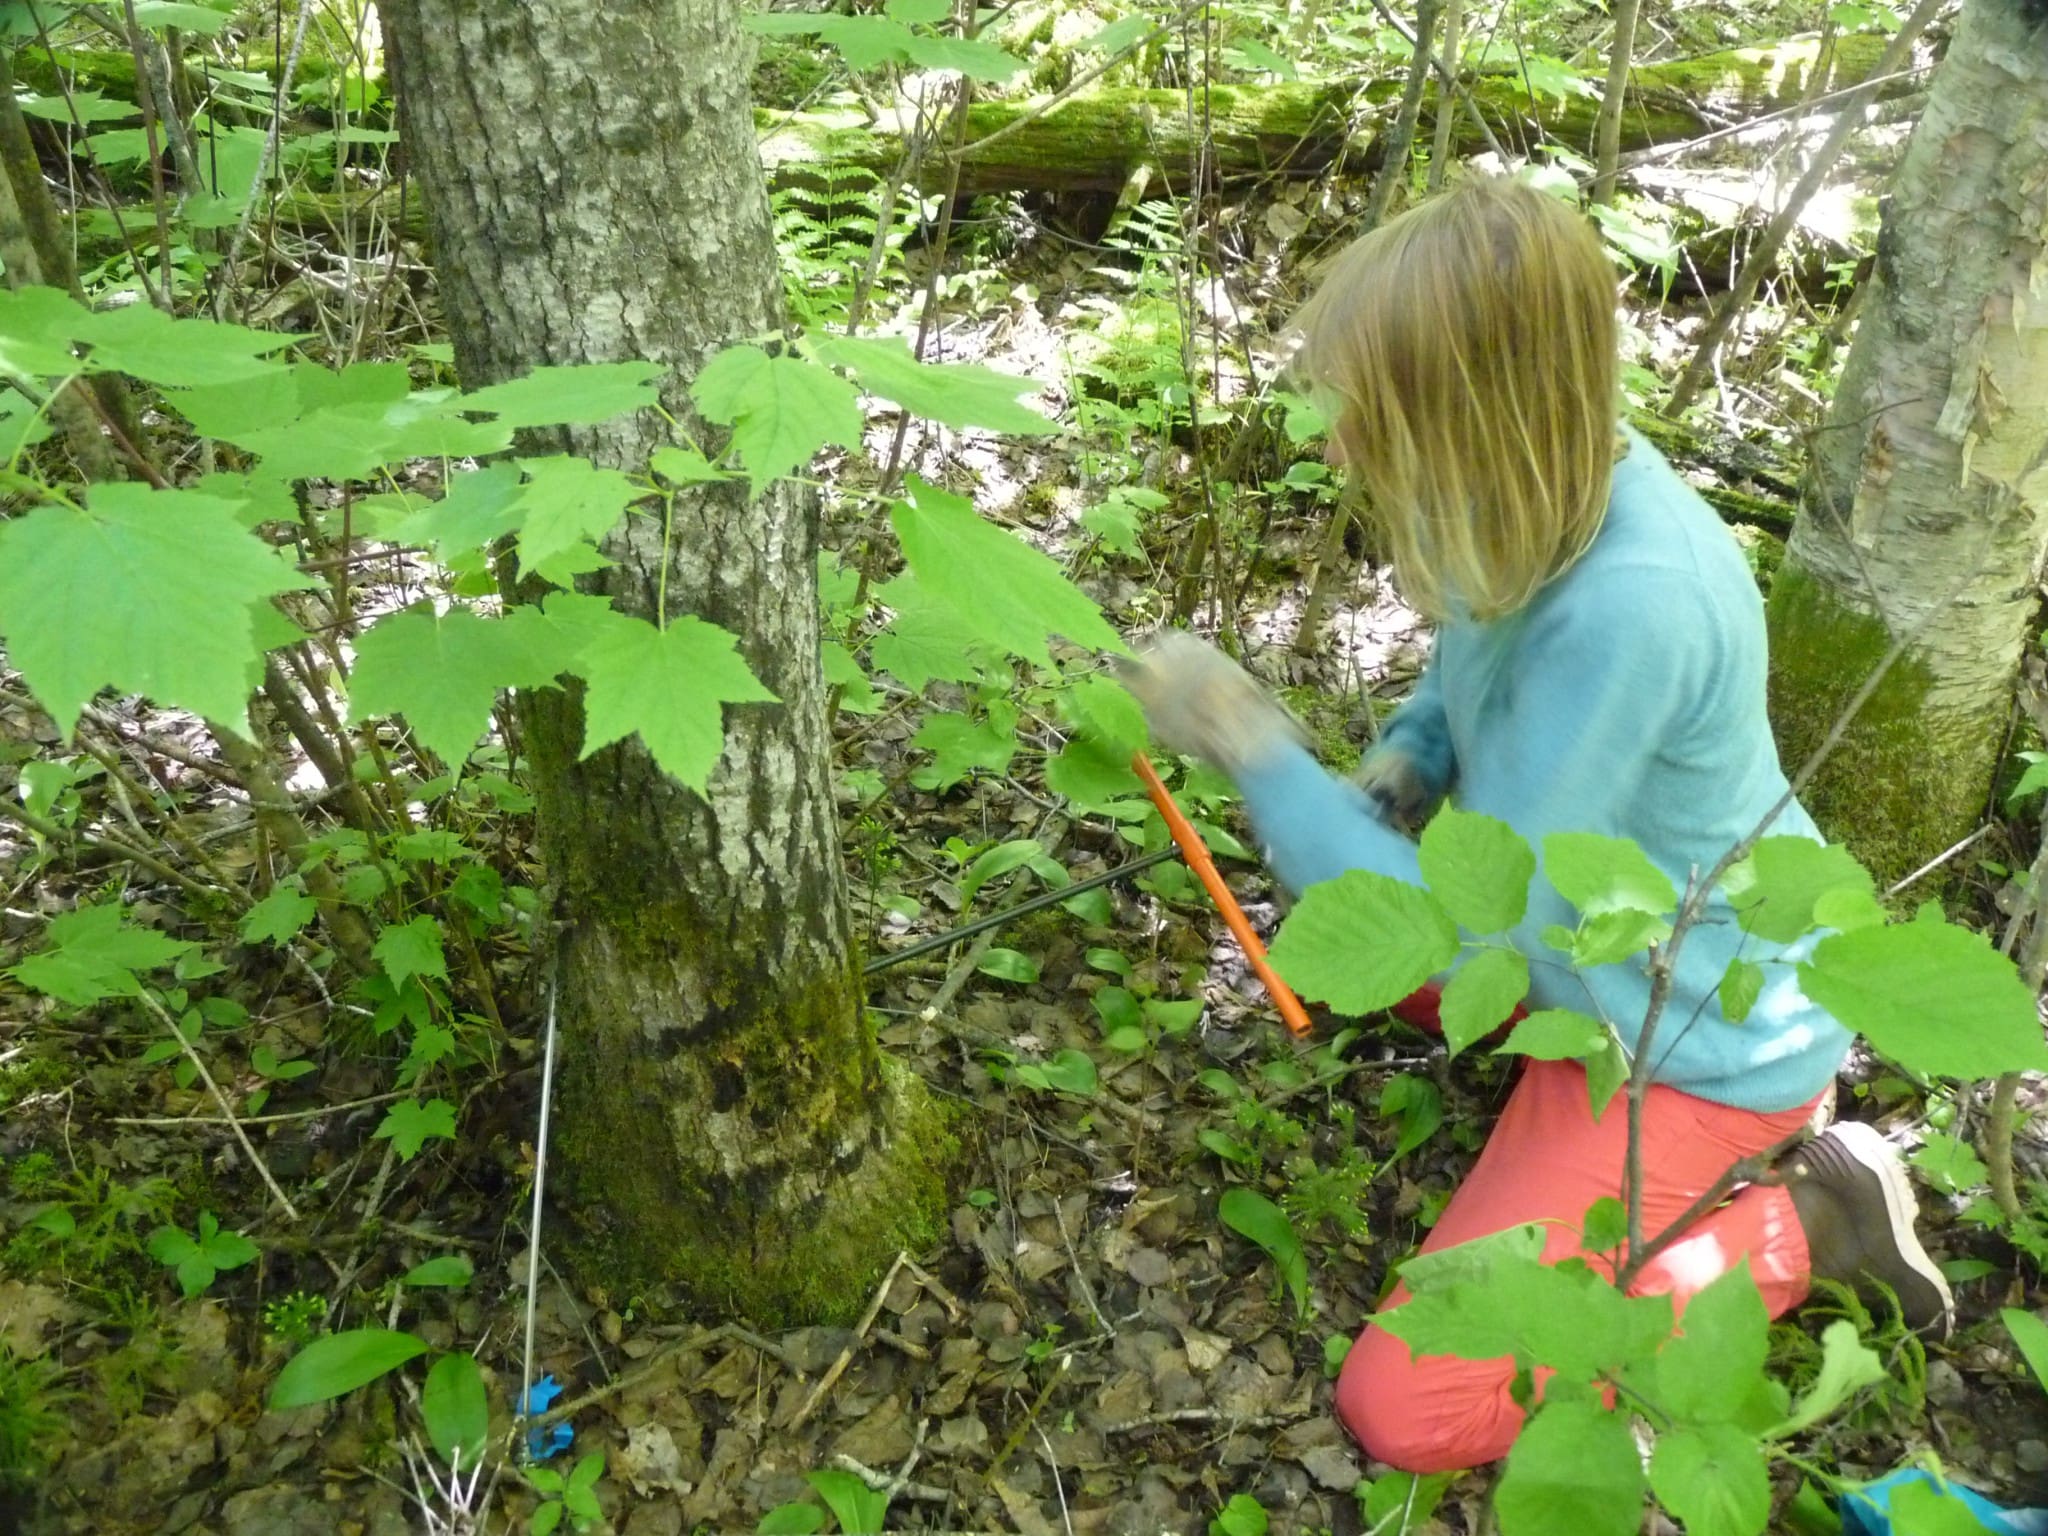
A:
(1599, 667)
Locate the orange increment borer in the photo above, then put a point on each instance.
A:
(1197, 855)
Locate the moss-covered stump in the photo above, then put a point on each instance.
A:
(1906, 781)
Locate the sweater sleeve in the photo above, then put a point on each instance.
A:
(1591, 693)
(1420, 730)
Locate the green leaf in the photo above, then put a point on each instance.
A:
(1105, 711)
(1604, 1227)
(1003, 591)
(1709, 1372)
(952, 394)
(971, 57)
(205, 20)
(1252, 1215)
(1931, 996)
(565, 502)
(686, 466)
(279, 917)
(411, 949)
(582, 395)
(73, 612)
(89, 954)
(2030, 1334)
(669, 686)
(925, 640)
(960, 745)
(1573, 1472)
(793, 1519)
(1479, 868)
(409, 1125)
(1070, 1071)
(1118, 1010)
(1711, 1476)
(1363, 941)
(1119, 35)
(167, 1245)
(1950, 1165)
(453, 1270)
(1602, 874)
(1090, 775)
(1847, 1366)
(1420, 1105)
(1480, 996)
(860, 1510)
(1009, 965)
(1548, 75)
(443, 671)
(1243, 1515)
(1606, 938)
(341, 1362)
(142, 340)
(996, 862)
(1606, 1070)
(456, 1410)
(1777, 887)
(2033, 781)
(782, 409)
(477, 509)
(1394, 1495)
(90, 107)
(1556, 1034)
(1741, 985)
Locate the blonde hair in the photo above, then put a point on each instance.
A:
(1466, 355)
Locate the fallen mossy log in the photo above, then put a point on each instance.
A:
(1097, 141)
(1745, 483)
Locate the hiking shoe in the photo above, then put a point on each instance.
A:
(1851, 1192)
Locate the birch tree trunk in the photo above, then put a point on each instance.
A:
(1926, 507)
(724, 1119)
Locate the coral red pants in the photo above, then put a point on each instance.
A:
(1547, 1160)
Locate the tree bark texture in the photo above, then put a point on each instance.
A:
(1925, 511)
(725, 1119)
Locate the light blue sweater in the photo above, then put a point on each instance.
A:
(1627, 699)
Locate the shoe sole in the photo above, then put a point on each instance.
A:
(1901, 1206)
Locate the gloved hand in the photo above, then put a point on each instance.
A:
(1200, 702)
(1400, 787)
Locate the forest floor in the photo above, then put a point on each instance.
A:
(1088, 1349)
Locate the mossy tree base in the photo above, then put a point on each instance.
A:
(723, 1117)
(1907, 780)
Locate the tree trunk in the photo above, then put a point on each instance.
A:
(1925, 511)
(725, 1119)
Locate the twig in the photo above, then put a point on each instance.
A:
(885, 1482)
(264, 158)
(1400, 140)
(98, 843)
(1754, 1169)
(278, 1119)
(838, 1368)
(540, 1171)
(1937, 861)
(1664, 957)
(1608, 132)
(1087, 1290)
(1450, 81)
(1058, 1487)
(212, 1087)
(947, 1299)
(1197, 1416)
